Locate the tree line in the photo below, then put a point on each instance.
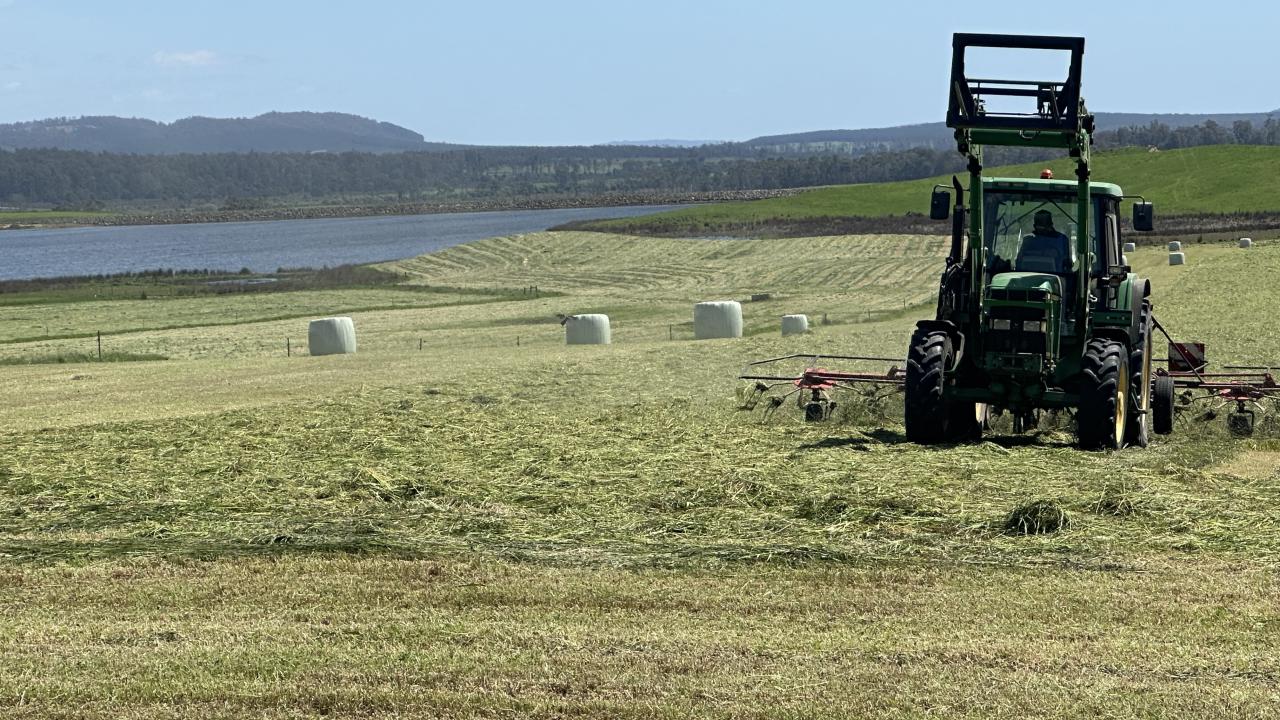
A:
(80, 179)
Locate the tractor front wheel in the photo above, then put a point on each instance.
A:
(1104, 395)
(930, 416)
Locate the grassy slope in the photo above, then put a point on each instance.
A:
(1214, 179)
(604, 532)
(37, 321)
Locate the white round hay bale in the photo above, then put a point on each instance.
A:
(1177, 258)
(795, 324)
(331, 336)
(721, 319)
(590, 329)
(1175, 246)
(1130, 247)
(1246, 242)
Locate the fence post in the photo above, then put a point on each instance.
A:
(288, 348)
(99, 344)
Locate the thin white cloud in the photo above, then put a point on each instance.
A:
(192, 58)
(12, 85)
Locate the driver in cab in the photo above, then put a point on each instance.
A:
(1045, 249)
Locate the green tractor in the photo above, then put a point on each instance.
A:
(1037, 309)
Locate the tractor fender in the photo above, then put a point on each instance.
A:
(1132, 292)
(1120, 335)
(1130, 298)
(948, 327)
(1139, 291)
(1144, 284)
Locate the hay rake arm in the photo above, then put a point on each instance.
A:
(1245, 392)
(814, 386)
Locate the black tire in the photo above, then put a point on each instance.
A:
(924, 409)
(1162, 405)
(1100, 421)
(1138, 421)
(814, 412)
(930, 416)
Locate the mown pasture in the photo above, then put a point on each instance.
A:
(468, 518)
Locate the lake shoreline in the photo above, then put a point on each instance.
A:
(265, 246)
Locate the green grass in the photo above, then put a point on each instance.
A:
(303, 637)
(47, 323)
(1212, 179)
(498, 524)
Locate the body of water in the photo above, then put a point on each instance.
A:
(266, 246)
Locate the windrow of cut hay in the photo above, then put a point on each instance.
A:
(601, 479)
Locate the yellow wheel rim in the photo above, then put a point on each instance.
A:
(1122, 402)
(1146, 380)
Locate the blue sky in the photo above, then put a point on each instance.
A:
(555, 72)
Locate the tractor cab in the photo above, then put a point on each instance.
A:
(1030, 237)
(1032, 267)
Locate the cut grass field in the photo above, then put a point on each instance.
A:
(498, 524)
(1211, 179)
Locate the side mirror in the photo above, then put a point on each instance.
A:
(940, 205)
(1116, 274)
(1143, 216)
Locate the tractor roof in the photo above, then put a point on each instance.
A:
(1067, 186)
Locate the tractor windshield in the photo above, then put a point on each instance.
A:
(1032, 232)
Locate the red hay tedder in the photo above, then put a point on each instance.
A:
(1184, 387)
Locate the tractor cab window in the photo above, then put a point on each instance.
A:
(1033, 232)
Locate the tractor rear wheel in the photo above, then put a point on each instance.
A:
(1137, 430)
(1162, 405)
(930, 416)
(1104, 396)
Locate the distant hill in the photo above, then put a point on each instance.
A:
(272, 132)
(309, 132)
(939, 137)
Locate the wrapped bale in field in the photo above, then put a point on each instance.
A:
(795, 324)
(721, 319)
(590, 329)
(1246, 242)
(331, 336)
(1177, 258)
(1130, 247)
(1175, 246)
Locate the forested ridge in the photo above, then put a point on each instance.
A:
(92, 180)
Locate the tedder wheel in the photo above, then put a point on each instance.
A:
(931, 417)
(1137, 430)
(814, 412)
(1162, 405)
(1104, 392)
